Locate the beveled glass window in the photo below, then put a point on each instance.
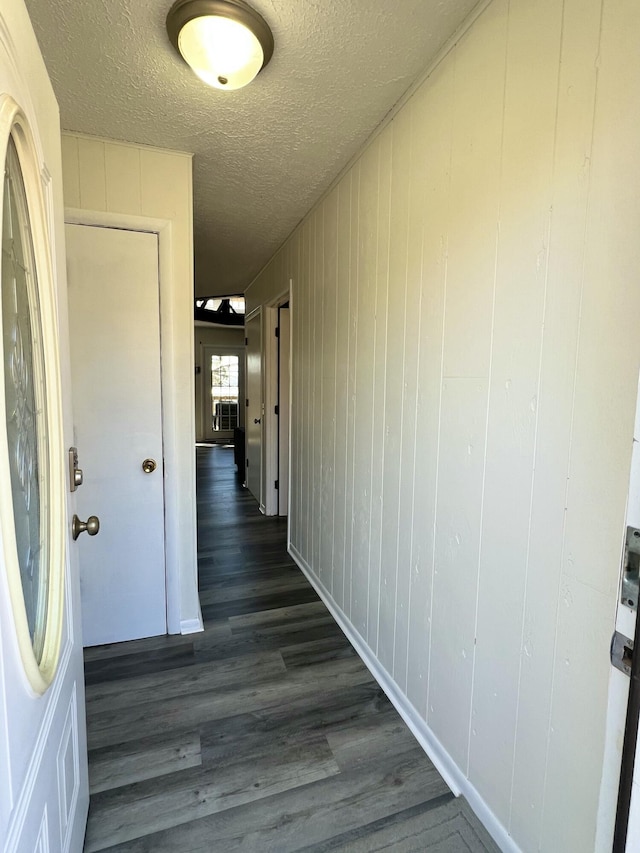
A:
(25, 400)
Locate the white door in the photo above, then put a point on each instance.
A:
(43, 767)
(255, 408)
(114, 325)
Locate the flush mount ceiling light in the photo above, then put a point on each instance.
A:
(226, 42)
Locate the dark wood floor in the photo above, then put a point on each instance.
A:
(265, 732)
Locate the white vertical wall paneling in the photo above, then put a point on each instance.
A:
(317, 284)
(478, 99)
(604, 410)
(328, 411)
(461, 262)
(461, 465)
(363, 449)
(92, 174)
(352, 359)
(292, 249)
(122, 172)
(378, 411)
(400, 130)
(432, 125)
(342, 351)
(572, 152)
(305, 390)
(521, 276)
(411, 349)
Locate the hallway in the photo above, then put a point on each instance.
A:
(264, 732)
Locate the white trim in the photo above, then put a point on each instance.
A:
(191, 626)
(444, 763)
(180, 532)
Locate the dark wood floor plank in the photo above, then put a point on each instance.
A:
(137, 810)
(124, 666)
(192, 709)
(200, 677)
(444, 825)
(310, 814)
(263, 733)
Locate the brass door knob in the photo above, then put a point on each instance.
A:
(91, 526)
(149, 466)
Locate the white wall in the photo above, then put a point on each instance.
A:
(114, 182)
(465, 359)
(226, 338)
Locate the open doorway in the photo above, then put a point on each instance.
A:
(277, 353)
(219, 383)
(222, 382)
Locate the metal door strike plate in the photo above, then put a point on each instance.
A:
(75, 473)
(631, 569)
(622, 652)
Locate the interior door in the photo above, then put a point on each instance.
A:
(43, 768)
(255, 407)
(114, 324)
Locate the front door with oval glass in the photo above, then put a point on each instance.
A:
(43, 768)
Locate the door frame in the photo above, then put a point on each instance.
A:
(271, 432)
(179, 532)
(619, 684)
(258, 314)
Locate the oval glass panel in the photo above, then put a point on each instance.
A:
(24, 400)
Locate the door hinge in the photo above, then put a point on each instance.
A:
(246, 402)
(246, 342)
(276, 409)
(277, 331)
(247, 463)
(622, 653)
(276, 485)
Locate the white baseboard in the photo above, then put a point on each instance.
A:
(444, 763)
(191, 626)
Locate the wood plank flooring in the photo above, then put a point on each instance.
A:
(263, 733)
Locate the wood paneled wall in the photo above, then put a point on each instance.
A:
(465, 362)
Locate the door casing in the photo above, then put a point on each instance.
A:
(180, 541)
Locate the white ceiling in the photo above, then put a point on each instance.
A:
(263, 154)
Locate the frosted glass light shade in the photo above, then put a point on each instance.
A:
(222, 52)
(225, 42)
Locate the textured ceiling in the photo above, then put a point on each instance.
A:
(263, 154)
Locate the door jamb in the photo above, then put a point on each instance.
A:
(271, 432)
